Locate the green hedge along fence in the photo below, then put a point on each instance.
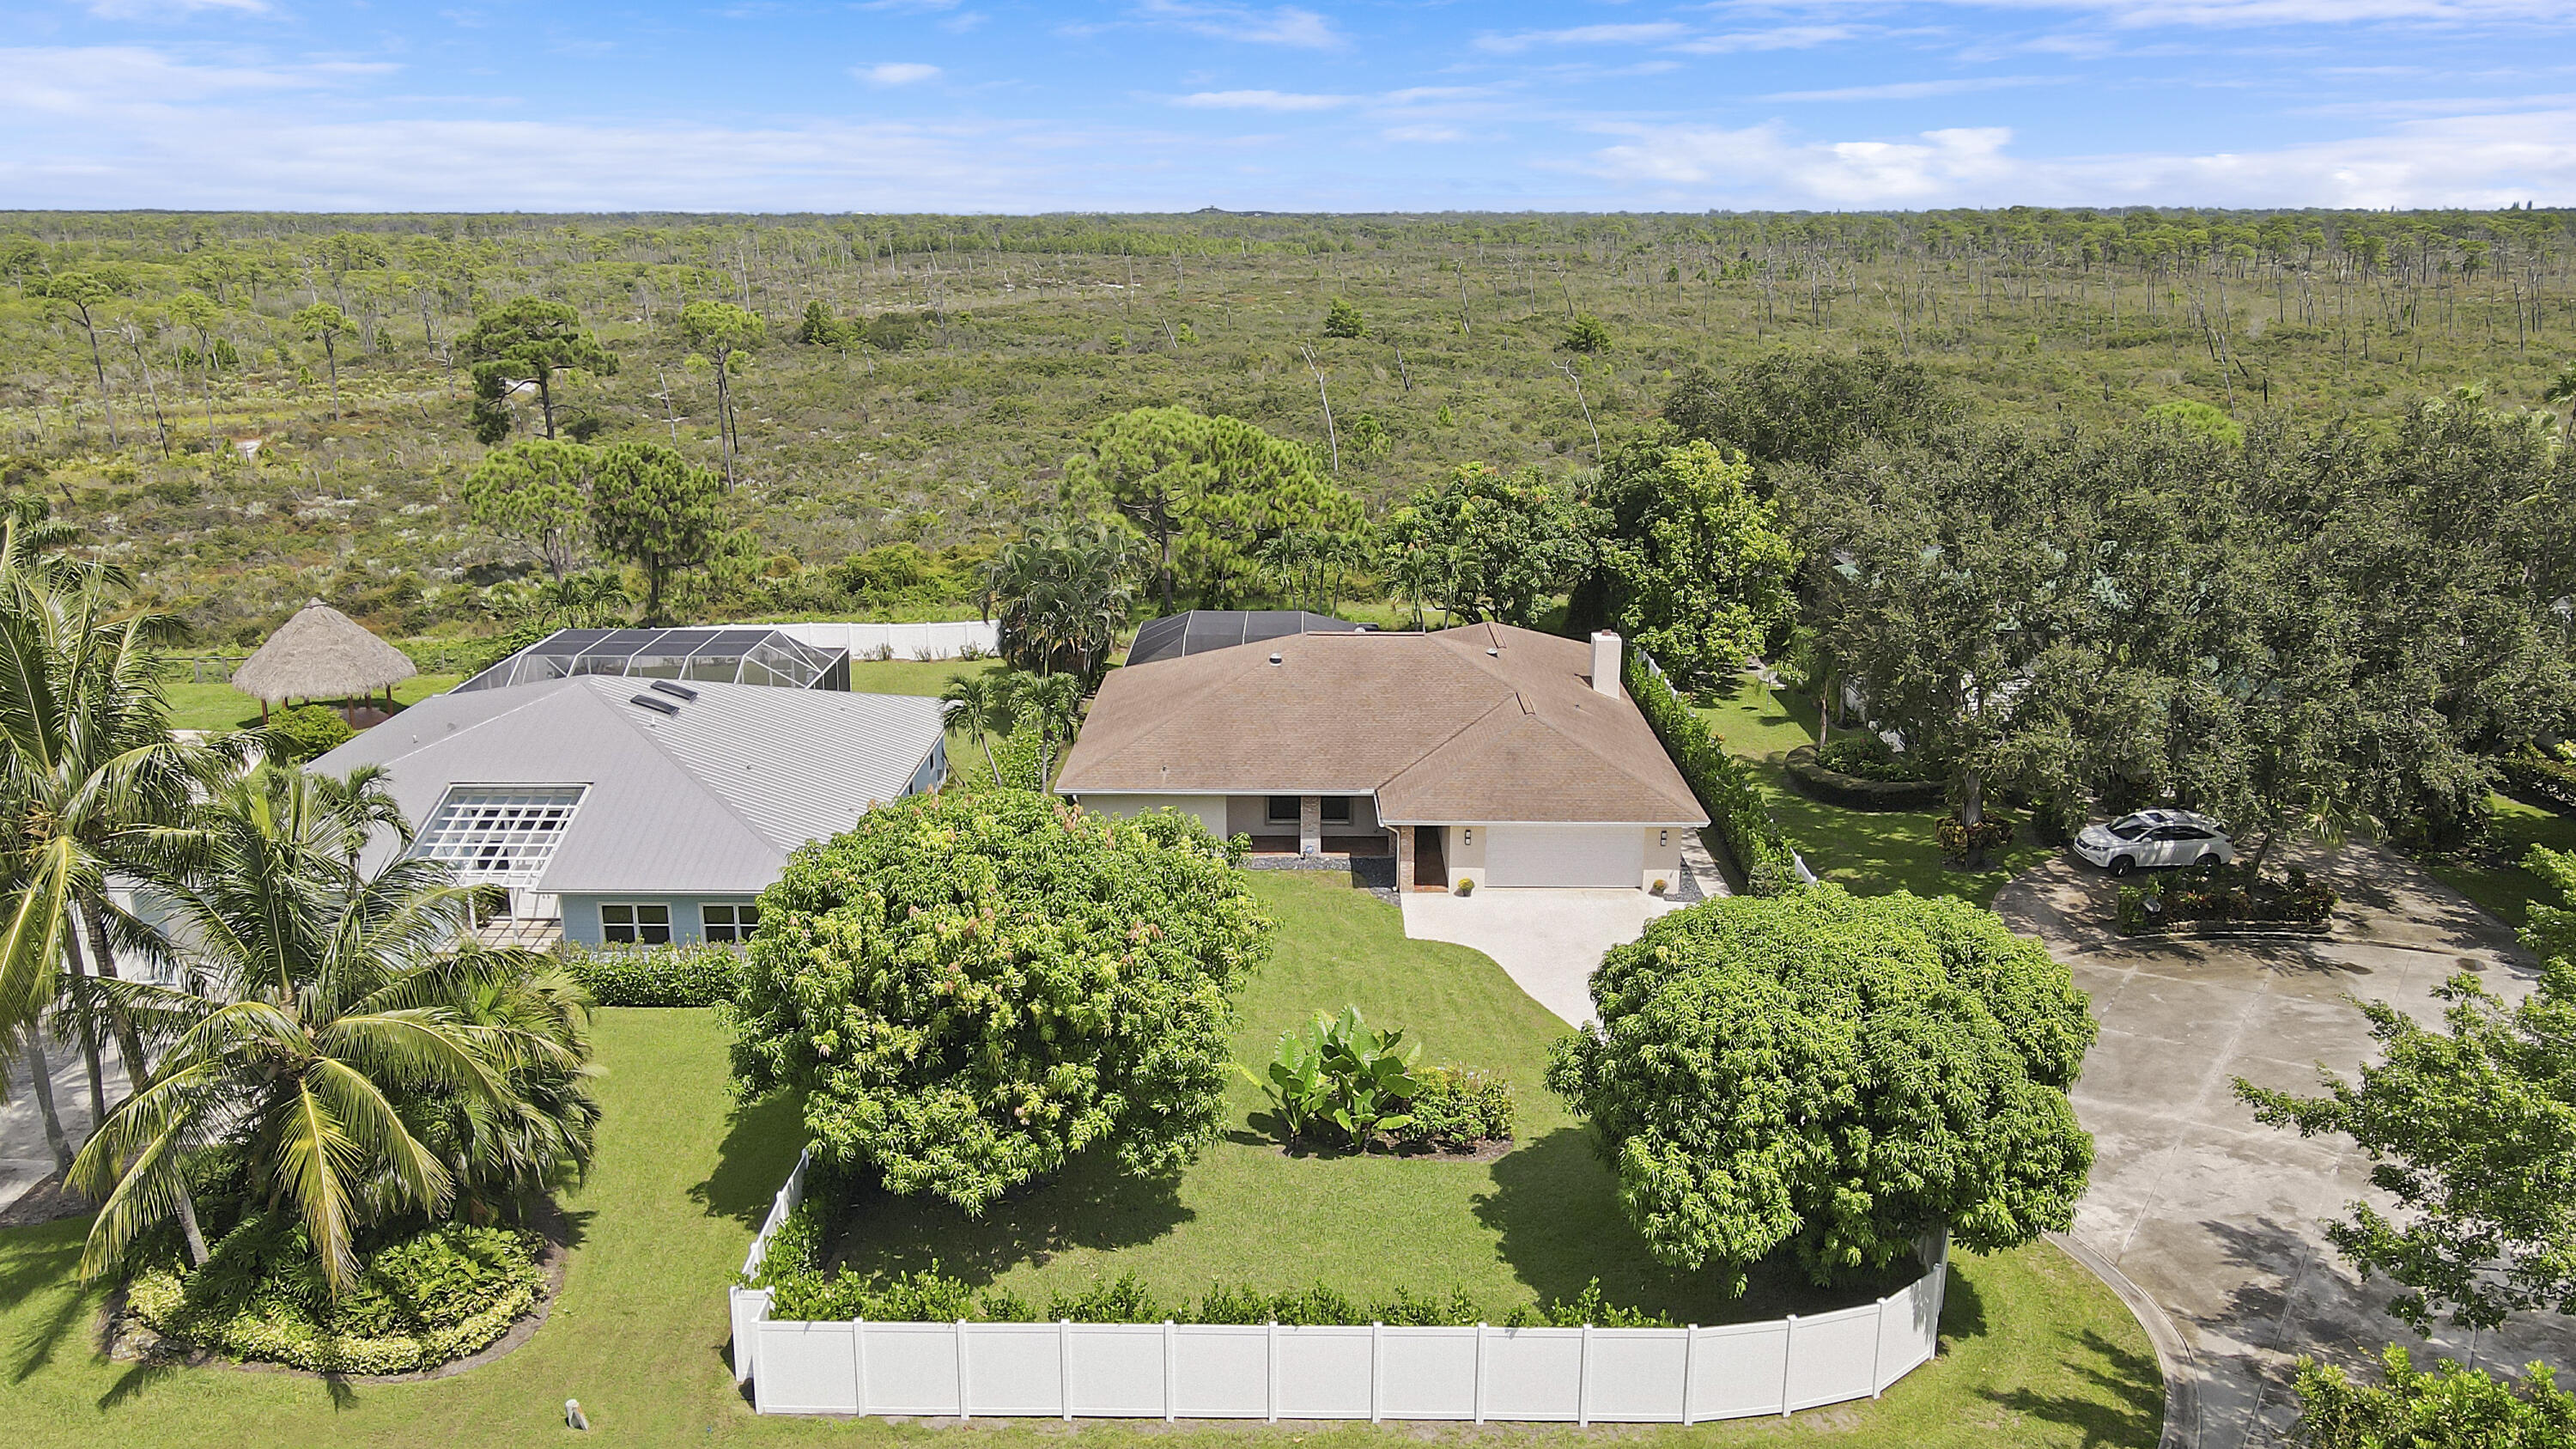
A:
(2549, 784)
(1860, 792)
(1724, 784)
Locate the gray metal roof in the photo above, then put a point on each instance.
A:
(707, 797)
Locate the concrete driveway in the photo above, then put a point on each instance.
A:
(2216, 1217)
(1547, 941)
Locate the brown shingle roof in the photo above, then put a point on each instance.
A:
(1438, 727)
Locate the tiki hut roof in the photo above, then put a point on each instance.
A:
(321, 653)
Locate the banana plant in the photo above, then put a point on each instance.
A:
(1295, 1081)
(1371, 1076)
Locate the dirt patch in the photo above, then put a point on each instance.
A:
(47, 1202)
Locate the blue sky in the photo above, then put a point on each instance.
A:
(996, 105)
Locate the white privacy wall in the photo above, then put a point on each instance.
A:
(909, 641)
(1358, 1371)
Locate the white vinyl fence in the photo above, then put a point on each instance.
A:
(944, 640)
(1357, 1371)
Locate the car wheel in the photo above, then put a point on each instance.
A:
(2209, 861)
(2122, 865)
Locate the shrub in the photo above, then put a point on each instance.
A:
(1965, 844)
(1759, 1081)
(421, 1300)
(1343, 1072)
(2449, 1408)
(2222, 894)
(967, 989)
(698, 974)
(1458, 1105)
(1722, 782)
(1897, 783)
(2538, 780)
(306, 732)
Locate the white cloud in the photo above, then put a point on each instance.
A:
(1260, 101)
(2467, 161)
(895, 73)
(1425, 135)
(158, 9)
(1920, 90)
(1285, 25)
(1645, 33)
(73, 79)
(2240, 13)
(1786, 37)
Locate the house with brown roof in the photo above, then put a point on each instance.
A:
(1486, 753)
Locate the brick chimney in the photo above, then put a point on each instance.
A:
(1605, 663)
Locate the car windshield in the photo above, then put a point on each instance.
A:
(2129, 829)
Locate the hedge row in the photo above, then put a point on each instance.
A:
(2549, 784)
(699, 974)
(1836, 788)
(1724, 784)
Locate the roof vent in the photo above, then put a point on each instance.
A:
(1494, 653)
(676, 691)
(656, 702)
(1274, 658)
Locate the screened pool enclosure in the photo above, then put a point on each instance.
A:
(718, 656)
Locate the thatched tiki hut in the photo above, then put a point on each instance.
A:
(319, 654)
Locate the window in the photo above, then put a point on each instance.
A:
(730, 924)
(635, 925)
(500, 833)
(1337, 810)
(1283, 810)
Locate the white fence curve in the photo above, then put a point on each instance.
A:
(1345, 1371)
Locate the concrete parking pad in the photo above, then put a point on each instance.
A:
(2216, 1217)
(1547, 941)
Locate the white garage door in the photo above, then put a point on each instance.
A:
(1565, 855)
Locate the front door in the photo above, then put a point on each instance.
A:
(1430, 865)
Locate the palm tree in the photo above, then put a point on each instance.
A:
(989, 705)
(1058, 598)
(2563, 391)
(1056, 701)
(86, 761)
(347, 1039)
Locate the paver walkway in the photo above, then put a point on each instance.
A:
(2213, 1215)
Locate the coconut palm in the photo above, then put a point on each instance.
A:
(86, 761)
(344, 1037)
(988, 705)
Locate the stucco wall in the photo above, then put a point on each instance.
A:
(1250, 815)
(1210, 809)
(1663, 857)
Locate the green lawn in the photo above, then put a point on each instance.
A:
(2035, 1353)
(222, 707)
(2493, 876)
(1867, 851)
(912, 676)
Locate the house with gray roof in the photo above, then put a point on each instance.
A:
(643, 812)
(1486, 754)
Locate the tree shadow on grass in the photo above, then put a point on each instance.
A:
(36, 1260)
(1091, 1205)
(2129, 1410)
(758, 1152)
(1555, 1207)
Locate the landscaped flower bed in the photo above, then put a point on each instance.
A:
(2226, 897)
(428, 1299)
(1861, 772)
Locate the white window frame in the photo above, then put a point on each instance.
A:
(505, 828)
(634, 925)
(743, 920)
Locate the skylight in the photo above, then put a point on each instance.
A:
(503, 834)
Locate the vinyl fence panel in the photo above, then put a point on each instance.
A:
(1220, 1371)
(1118, 1369)
(944, 640)
(1534, 1373)
(1340, 1371)
(1427, 1373)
